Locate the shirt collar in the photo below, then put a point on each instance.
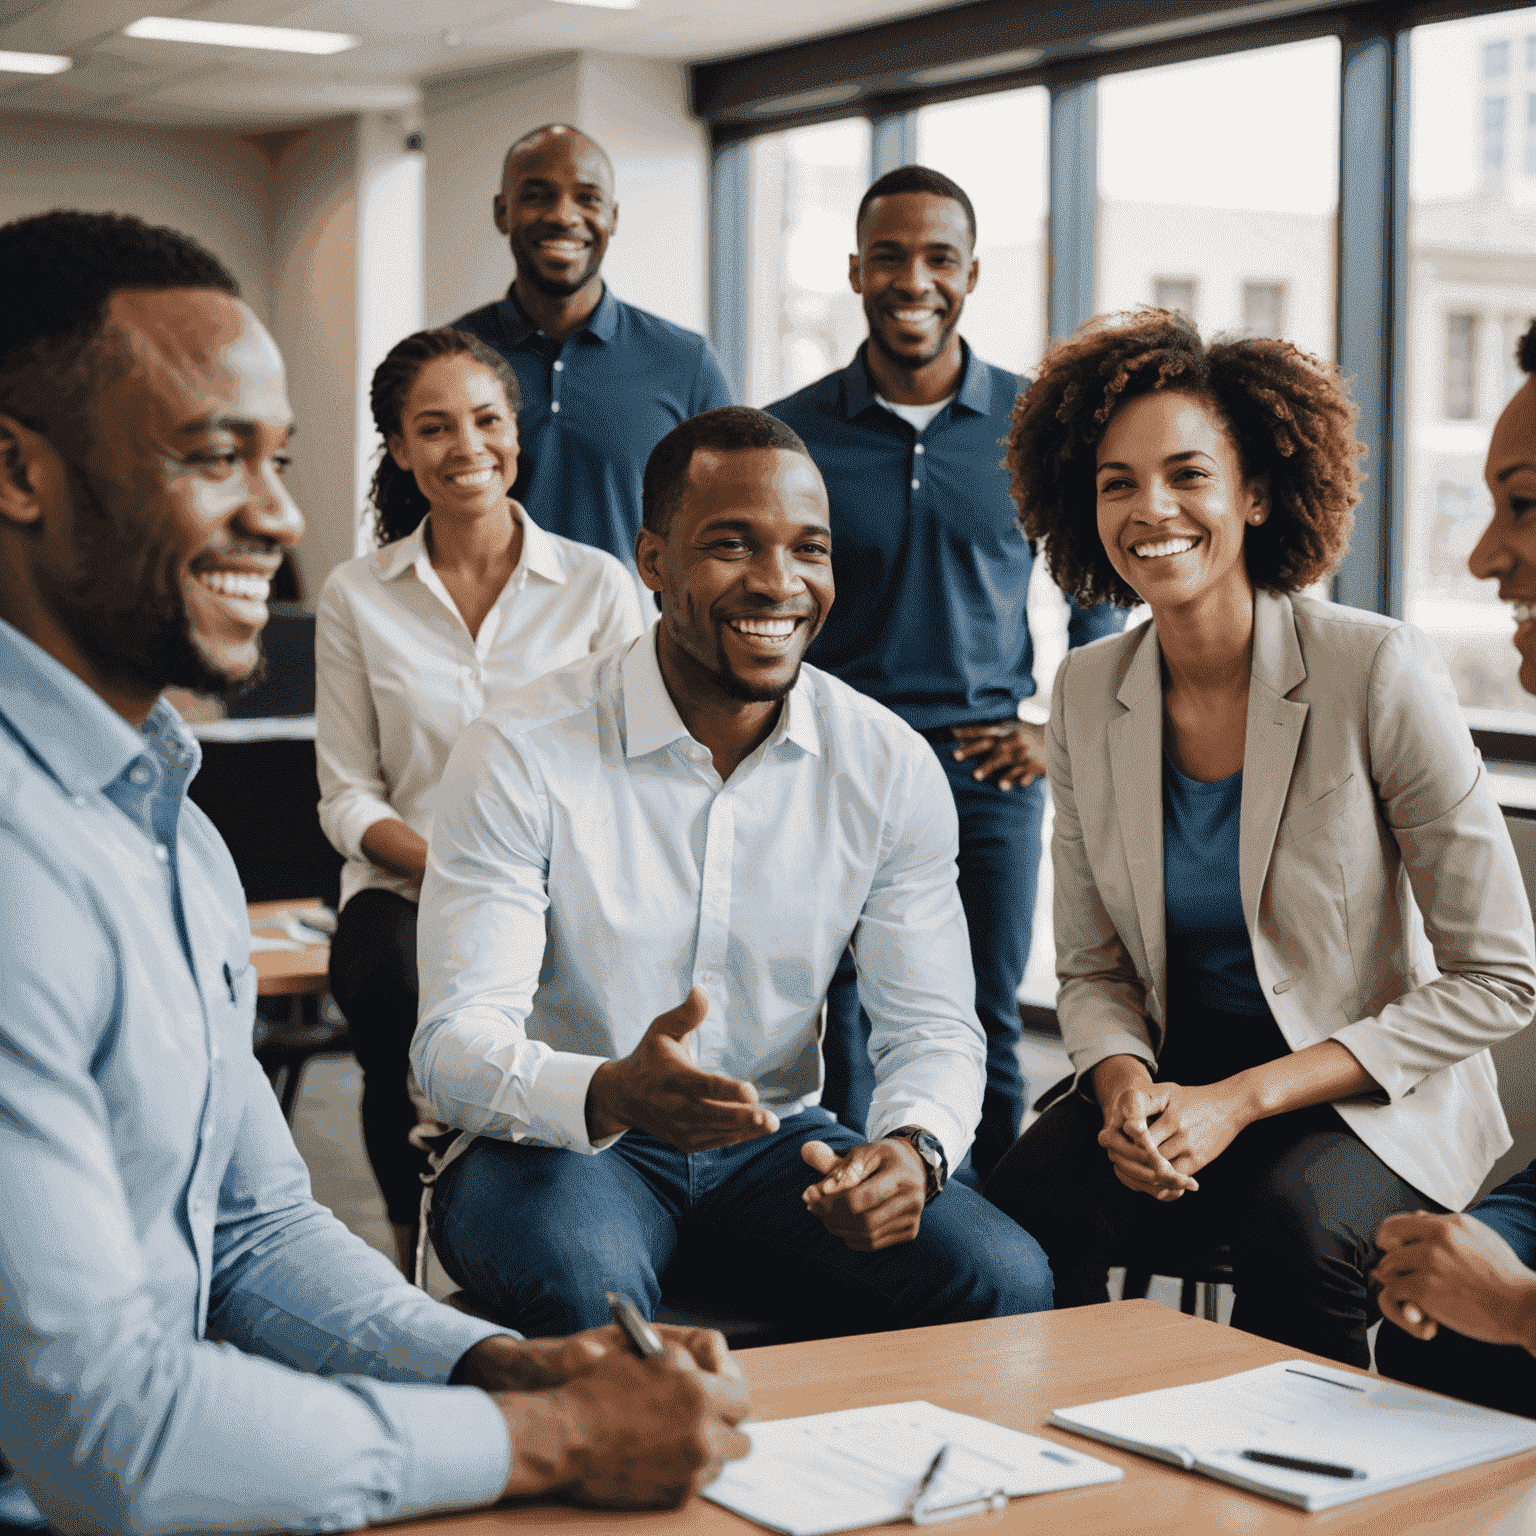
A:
(651, 720)
(76, 735)
(974, 394)
(541, 551)
(602, 323)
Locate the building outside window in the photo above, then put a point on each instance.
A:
(1176, 293)
(1530, 133)
(1264, 309)
(1493, 134)
(1472, 252)
(805, 186)
(1496, 59)
(1530, 53)
(1183, 205)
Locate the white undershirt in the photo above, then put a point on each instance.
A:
(917, 416)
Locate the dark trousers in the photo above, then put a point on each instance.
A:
(999, 863)
(1496, 1375)
(1298, 1199)
(541, 1233)
(373, 979)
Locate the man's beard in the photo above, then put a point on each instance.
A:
(124, 606)
(907, 361)
(755, 693)
(561, 288)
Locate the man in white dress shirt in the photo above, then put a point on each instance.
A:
(643, 872)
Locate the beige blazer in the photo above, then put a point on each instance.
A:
(1364, 806)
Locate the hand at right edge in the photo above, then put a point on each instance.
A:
(657, 1088)
(626, 1434)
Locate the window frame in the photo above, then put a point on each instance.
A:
(889, 71)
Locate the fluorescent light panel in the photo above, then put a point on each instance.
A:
(604, 5)
(220, 34)
(34, 63)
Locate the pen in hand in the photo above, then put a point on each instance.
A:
(643, 1338)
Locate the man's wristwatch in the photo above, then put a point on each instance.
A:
(927, 1147)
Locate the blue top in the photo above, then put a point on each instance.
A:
(152, 1193)
(1210, 957)
(931, 571)
(594, 407)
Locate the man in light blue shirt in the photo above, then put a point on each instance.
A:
(153, 1199)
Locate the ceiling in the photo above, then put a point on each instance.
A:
(405, 44)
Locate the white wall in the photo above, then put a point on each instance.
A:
(637, 110)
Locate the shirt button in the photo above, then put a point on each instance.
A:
(559, 366)
(162, 853)
(139, 774)
(916, 485)
(554, 405)
(918, 449)
(79, 800)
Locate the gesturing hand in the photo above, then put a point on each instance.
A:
(658, 1089)
(1012, 752)
(871, 1197)
(1458, 1271)
(627, 1433)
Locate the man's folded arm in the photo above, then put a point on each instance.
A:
(115, 1422)
(480, 945)
(916, 983)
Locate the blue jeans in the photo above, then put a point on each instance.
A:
(999, 863)
(540, 1233)
(1497, 1375)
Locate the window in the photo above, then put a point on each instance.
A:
(1175, 293)
(995, 147)
(805, 187)
(1530, 134)
(1460, 367)
(1472, 282)
(1530, 52)
(1493, 134)
(1496, 59)
(1264, 309)
(1181, 204)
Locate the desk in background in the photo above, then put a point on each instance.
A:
(1014, 1371)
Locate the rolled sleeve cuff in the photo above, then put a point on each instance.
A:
(954, 1137)
(1374, 1048)
(455, 1450)
(356, 819)
(557, 1101)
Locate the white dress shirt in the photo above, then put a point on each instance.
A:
(588, 867)
(398, 675)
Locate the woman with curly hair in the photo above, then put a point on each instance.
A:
(1257, 797)
(467, 600)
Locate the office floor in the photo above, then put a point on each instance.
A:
(325, 1126)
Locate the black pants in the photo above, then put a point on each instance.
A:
(1298, 1199)
(373, 979)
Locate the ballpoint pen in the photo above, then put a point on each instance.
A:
(643, 1338)
(925, 1482)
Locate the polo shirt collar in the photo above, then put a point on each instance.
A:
(71, 730)
(651, 720)
(974, 394)
(603, 322)
(542, 555)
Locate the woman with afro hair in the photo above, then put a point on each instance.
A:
(1289, 921)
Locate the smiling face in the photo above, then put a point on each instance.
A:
(458, 437)
(1506, 552)
(154, 559)
(744, 572)
(913, 270)
(557, 210)
(1173, 505)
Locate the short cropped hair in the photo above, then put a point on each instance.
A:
(916, 178)
(1288, 413)
(728, 430)
(60, 270)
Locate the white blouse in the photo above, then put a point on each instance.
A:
(398, 675)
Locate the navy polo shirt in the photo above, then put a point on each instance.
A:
(594, 407)
(932, 573)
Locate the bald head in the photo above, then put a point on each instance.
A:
(552, 133)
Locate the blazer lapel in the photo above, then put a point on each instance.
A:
(1274, 737)
(1135, 765)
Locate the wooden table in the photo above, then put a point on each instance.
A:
(303, 977)
(287, 973)
(1015, 1371)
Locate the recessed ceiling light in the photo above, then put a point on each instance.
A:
(604, 5)
(35, 63)
(176, 29)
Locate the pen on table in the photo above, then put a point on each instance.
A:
(643, 1338)
(1300, 1464)
(925, 1482)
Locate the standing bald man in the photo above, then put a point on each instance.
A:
(603, 381)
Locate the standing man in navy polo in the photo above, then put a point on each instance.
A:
(603, 382)
(933, 624)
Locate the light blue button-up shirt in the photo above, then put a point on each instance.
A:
(151, 1196)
